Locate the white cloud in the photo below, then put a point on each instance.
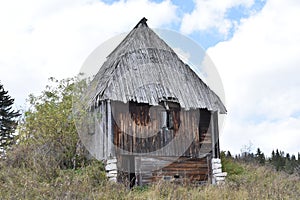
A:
(40, 39)
(211, 14)
(259, 67)
(266, 135)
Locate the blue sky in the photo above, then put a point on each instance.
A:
(210, 37)
(254, 45)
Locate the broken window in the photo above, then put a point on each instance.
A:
(139, 113)
(170, 116)
(204, 124)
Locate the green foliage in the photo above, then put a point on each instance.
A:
(8, 120)
(260, 157)
(45, 165)
(228, 154)
(230, 166)
(24, 183)
(48, 128)
(279, 160)
(47, 134)
(46, 156)
(287, 163)
(256, 182)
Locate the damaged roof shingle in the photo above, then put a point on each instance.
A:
(143, 68)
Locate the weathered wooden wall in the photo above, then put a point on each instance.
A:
(96, 131)
(146, 169)
(140, 131)
(145, 151)
(184, 170)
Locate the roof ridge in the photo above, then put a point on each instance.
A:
(142, 22)
(118, 81)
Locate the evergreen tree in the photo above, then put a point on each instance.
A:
(260, 156)
(278, 160)
(288, 156)
(273, 155)
(293, 158)
(8, 116)
(297, 165)
(229, 154)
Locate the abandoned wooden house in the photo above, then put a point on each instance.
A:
(155, 118)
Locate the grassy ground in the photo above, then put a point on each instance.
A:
(244, 182)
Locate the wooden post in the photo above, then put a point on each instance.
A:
(216, 133)
(110, 136)
(138, 171)
(209, 169)
(131, 171)
(212, 128)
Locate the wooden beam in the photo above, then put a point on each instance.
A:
(217, 137)
(110, 133)
(212, 128)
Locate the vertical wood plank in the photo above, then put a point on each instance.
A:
(133, 128)
(109, 130)
(212, 134)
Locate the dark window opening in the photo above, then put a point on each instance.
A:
(204, 124)
(170, 116)
(170, 122)
(176, 176)
(132, 179)
(139, 113)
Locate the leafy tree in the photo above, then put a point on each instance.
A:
(8, 117)
(48, 136)
(246, 152)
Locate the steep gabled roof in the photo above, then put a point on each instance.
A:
(143, 68)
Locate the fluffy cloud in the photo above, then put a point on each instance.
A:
(260, 67)
(40, 39)
(211, 14)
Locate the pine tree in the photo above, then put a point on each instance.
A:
(229, 154)
(8, 116)
(273, 155)
(260, 156)
(258, 152)
(288, 157)
(293, 158)
(278, 160)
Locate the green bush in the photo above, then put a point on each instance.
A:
(231, 166)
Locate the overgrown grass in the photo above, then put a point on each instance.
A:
(46, 164)
(89, 182)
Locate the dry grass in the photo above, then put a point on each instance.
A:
(256, 182)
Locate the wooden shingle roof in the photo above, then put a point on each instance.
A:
(143, 68)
